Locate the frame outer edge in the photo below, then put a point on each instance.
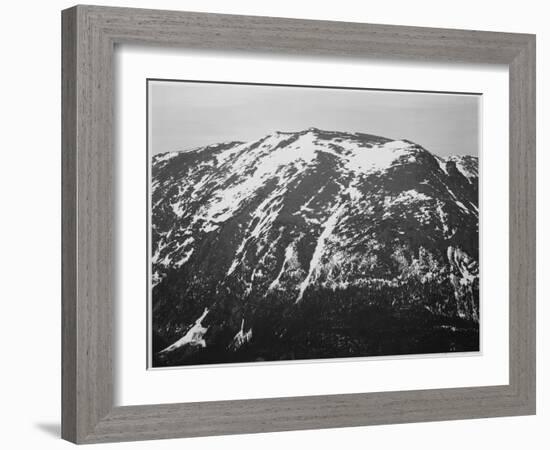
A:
(68, 224)
(87, 298)
(523, 225)
(95, 223)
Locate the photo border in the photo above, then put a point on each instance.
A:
(148, 157)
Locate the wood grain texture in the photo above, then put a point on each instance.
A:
(523, 224)
(68, 225)
(89, 36)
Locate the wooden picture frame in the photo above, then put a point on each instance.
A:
(90, 34)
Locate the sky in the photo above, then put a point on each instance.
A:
(185, 115)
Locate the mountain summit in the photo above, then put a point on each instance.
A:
(312, 244)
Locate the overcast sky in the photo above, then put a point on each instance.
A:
(184, 115)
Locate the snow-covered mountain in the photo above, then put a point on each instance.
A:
(312, 244)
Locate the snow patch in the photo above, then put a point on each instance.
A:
(328, 228)
(193, 337)
(184, 258)
(376, 158)
(442, 164)
(290, 257)
(164, 157)
(409, 196)
(240, 338)
(443, 217)
(468, 170)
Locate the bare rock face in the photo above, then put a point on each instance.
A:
(313, 244)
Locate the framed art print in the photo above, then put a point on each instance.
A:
(306, 210)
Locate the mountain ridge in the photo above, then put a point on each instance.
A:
(294, 215)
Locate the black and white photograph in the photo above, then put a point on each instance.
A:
(303, 222)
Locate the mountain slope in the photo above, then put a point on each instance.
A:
(290, 240)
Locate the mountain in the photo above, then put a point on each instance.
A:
(313, 244)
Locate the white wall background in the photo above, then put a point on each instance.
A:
(31, 209)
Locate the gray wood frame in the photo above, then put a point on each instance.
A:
(89, 36)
